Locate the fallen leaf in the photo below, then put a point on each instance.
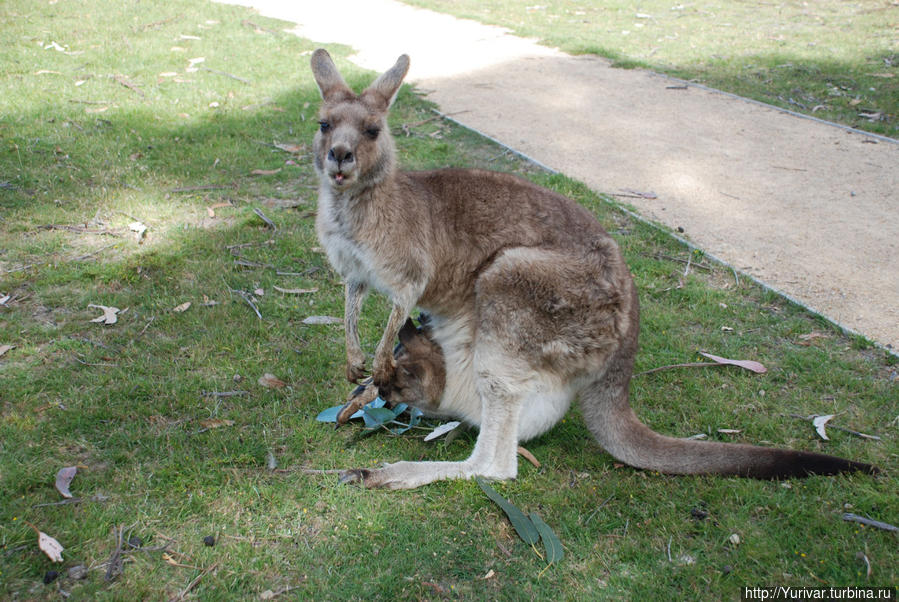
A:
(267, 595)
(319, 320)
(855, 102)
(5, 348)
(139, 229)
(734, 539)
(296, 291)
(264, 172)
(168, 74)
(214, 423)
(182, 308)
(489, 574)
(210, 212)
(259, 292)
(442, 430)
(4, 299)
(49, 546)
(883, 75)
(698, 436)
(820, 422)
(554, 550)
(524, 526)
(746, 364)
(289, 148)
(271, 381)
(64, 479)
(729, 431)
(109, 314)
(271, 462)
(528, 456)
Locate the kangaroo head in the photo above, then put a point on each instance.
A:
(353, 147)
(420, 368)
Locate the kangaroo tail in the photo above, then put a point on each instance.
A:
(612, 421)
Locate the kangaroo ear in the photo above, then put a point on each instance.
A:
(381, 94)
(408, 333)
(330, 83)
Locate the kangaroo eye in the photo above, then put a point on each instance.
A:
(325, 126)
(372, 133)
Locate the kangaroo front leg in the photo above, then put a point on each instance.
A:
(352, 307)
(384, 365)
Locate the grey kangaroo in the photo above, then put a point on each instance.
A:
(531, 303)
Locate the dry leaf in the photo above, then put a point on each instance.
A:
(109, 314)
(64, 479)
(214, 423)
(289, 148)
(820, 422)
(729, 431)
(264, 172)
(210, 212)
(883, 75)
(442, 430)
(318, 320)
(528, 456)
(4, 299)
(5, 348)
(734, 539)
(139, 229)
(271, 381)
(182, 308)
(52, 548)
(746, 364)
(295, 291)
(259, 292)
(267, 595)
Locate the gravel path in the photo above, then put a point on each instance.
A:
(809, 208)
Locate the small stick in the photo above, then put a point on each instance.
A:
(114, 564)
(598, 508)
(223, 393)
(204, 187)
(848, 516)
(267, 221)
(240, 79)
(130, 85)
(194, 583)
(669, 547)
(246, 297)
(74, 500)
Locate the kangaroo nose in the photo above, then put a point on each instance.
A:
(340, 154)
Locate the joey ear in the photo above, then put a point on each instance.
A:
(408, 332)
(381, 94)
(330, 83)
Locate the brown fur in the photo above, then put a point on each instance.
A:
(532, 302)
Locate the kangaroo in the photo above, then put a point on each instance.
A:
(531, 302)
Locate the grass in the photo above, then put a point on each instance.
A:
(832, 59)
(100, 134)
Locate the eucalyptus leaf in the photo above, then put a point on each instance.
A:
(554, 550)
(329, 415)
(522, 524)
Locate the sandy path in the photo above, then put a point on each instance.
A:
(809, 208)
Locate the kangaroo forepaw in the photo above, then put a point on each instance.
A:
(355, 371)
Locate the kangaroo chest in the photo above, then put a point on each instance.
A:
(352, 259)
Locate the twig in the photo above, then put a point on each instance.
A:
(223, 393)
(673, 366)
(156, 24)
(689, 263)
(669, 547)
(114, 565)
(318, 471)
(84, 363)
(848, 516)
(267, 221)
(246, 297)
(74, 500)
(89, 102)
(194, 583)
(203, 187)
(257, 28)
(92, 253)
(130, 85)
(598, 508)
(240, 79)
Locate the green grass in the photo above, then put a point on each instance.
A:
(126, 402)
(832, 59)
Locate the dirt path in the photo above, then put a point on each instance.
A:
(809, 208)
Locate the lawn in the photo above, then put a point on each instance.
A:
(830, 59)
(155, 155)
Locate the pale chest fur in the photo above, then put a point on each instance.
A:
(352, 260)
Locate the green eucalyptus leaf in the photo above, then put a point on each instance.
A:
(554, 550)
(522, 524)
